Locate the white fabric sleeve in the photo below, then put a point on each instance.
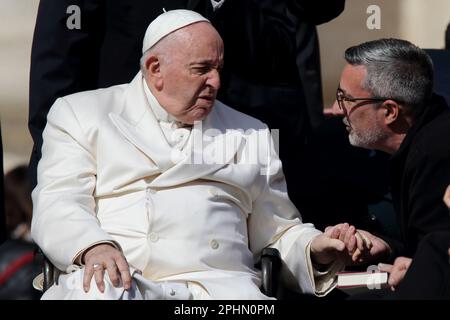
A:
(64, 221)
(275, 222)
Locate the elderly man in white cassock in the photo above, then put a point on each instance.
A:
(156, 190)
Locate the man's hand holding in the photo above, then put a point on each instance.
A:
(396, 271)
(103, 257)
(361, 246)
(377, 251)
(326, 247)
(343, 241)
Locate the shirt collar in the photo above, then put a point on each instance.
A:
(160, 113)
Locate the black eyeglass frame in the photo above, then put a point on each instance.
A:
(341, 97)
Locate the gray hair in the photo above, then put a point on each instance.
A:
(396, 69)
(160, 50)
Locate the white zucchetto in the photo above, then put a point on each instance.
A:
(168, 22)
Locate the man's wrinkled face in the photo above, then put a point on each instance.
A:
(190, 78)
(360, 117)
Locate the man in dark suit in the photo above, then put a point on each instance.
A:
(272, 70)
(386, 98)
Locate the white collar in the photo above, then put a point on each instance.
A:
(160, 113)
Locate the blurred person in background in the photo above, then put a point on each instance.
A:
(18, 206)
(17, 266)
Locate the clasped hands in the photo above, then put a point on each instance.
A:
(350, 245)
(353, 247)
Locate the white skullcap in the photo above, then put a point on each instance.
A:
(168, 22)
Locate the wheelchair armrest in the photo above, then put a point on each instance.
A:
(270, 268)
(49, 271)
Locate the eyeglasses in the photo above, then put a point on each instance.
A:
(341, 97)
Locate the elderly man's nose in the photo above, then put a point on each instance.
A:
(214, 79)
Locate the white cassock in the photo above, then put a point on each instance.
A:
(188, 206)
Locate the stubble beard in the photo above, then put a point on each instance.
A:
(367, 139)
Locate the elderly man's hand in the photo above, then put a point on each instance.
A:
(355, 243)
(105, 256)
(378, 248)
(341, 241)
(360, 246)
(325, 248)
(396, 271)
(351, 239)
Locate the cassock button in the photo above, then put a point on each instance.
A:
(153, 237)
(214, 244)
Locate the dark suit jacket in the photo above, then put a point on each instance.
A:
(104, 52)
(420, 173)
(272, 61)
(272, 72)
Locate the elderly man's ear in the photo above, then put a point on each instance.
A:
(391, 111)
(153, 67)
